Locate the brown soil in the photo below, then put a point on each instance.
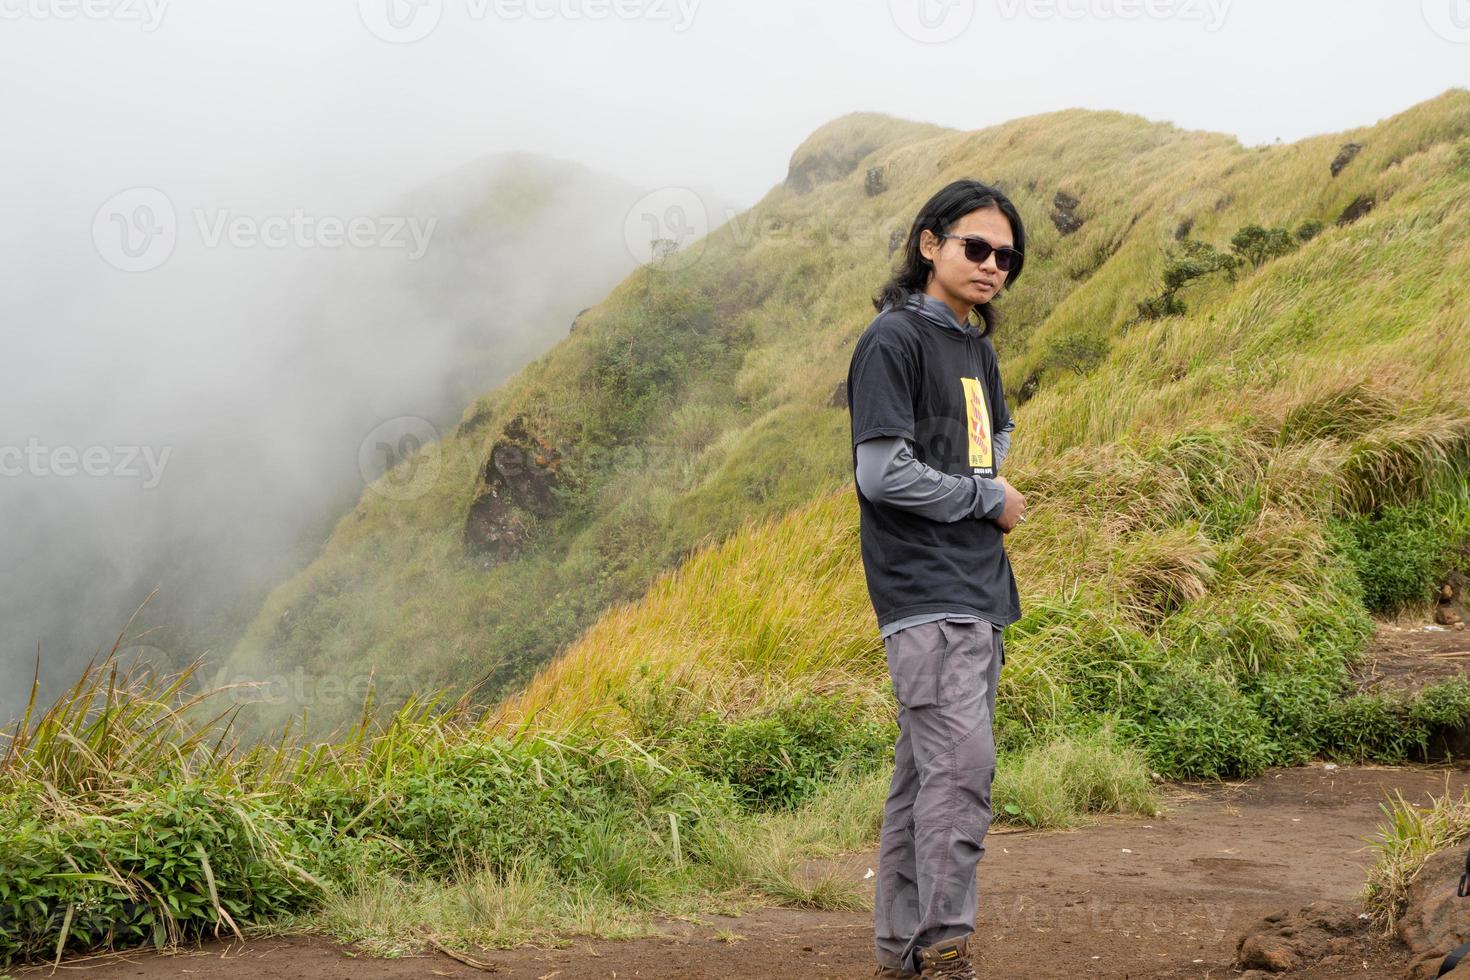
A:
(1414, 655)
(1164, 897)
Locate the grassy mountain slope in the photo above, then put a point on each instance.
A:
(1200, 489)
(1181, 468)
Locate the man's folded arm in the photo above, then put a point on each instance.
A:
(888, 473)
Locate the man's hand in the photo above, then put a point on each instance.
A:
(1014, 508)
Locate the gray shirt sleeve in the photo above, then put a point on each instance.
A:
(1003, 442)
(888, 473)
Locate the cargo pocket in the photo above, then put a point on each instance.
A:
(916, 663)
(969, 647)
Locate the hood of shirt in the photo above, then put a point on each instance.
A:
(938, 312)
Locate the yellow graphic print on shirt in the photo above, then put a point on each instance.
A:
(981, 450)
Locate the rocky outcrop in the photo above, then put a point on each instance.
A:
(1064, 213)
(1447, 610)
(1361, 205)
(516, 486)
(1344, 157)
(1323, 932)
(895, 241)
(1435, 918)
(1029, 388)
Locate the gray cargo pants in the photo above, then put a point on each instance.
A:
(944, 676)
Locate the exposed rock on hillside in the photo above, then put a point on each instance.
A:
(839, 395)
(1361, 205)
(1064, 213)
(516, 484)
(875, 183)
(1345, 157)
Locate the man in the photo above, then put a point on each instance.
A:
(930, 427)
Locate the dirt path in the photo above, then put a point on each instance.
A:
(1413, 656)
(1166, 897)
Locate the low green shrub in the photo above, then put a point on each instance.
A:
(1258, 245)
(164, 864)
(1195, 724)
(1308, 230)
(777, 760)
(1403, 553)
(1389, 727)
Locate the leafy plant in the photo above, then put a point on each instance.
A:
(1258, 245)
(1185, 263)
(1403, 553)
(1308, 230)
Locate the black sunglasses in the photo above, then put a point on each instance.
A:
(977, 250)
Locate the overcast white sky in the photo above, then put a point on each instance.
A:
(337, 106)
(301, 94)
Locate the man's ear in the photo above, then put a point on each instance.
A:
(928, 244)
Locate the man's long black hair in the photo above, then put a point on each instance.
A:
(938, 215)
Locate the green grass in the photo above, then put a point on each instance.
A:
(1058, 782)
(1406, 839)
(1193, 588)
(131, 816)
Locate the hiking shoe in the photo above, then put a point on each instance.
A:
(949, 960)
(894, 973)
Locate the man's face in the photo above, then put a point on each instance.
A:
(958, 276)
